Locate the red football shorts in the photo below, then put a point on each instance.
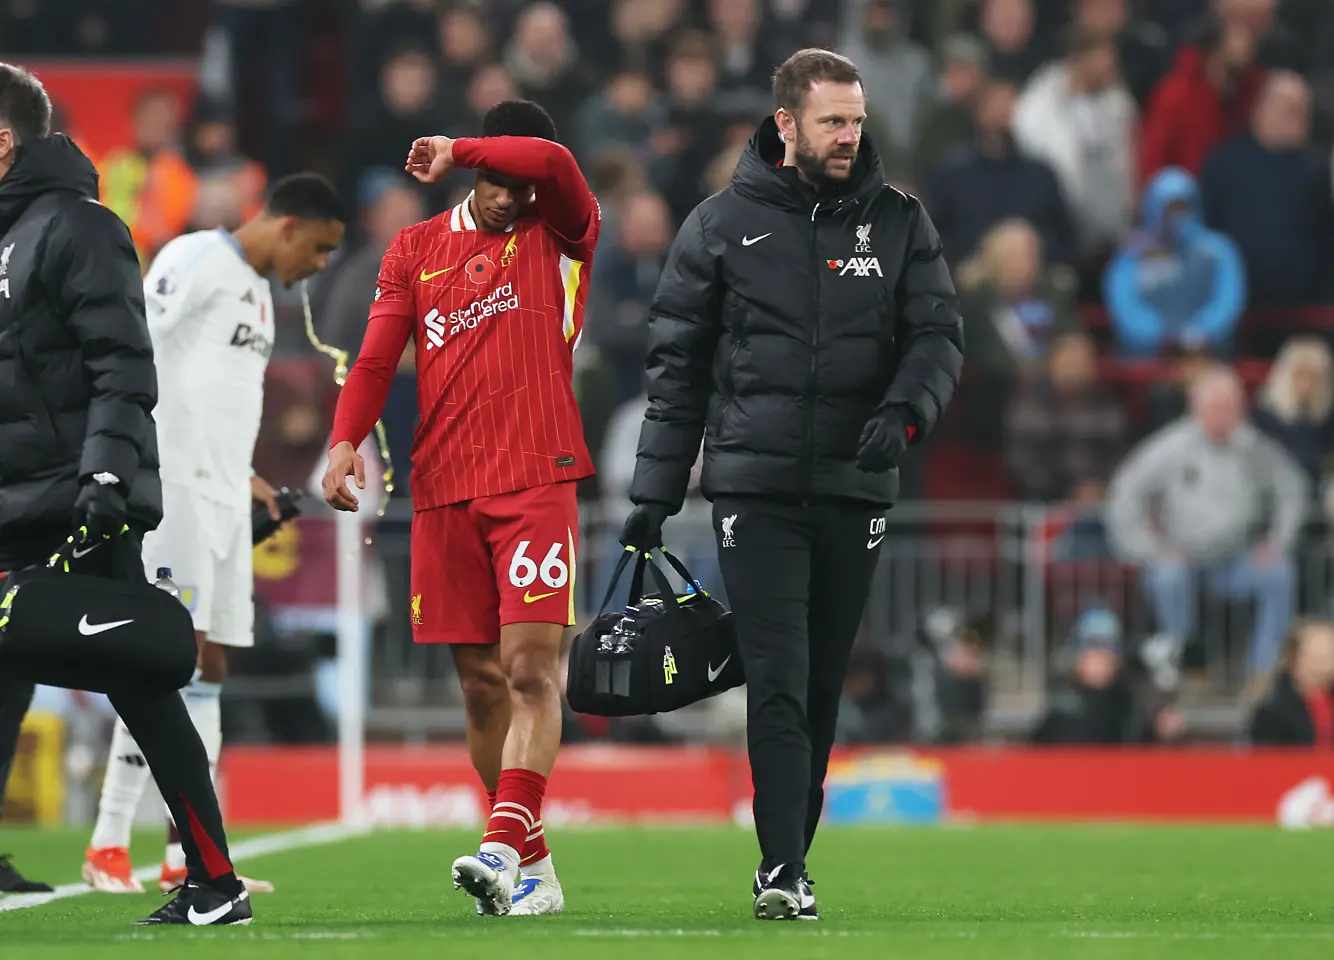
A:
(483, 563)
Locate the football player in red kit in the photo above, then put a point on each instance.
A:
(492, 292)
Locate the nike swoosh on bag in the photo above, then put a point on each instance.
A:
(93, 629)
(715, 674)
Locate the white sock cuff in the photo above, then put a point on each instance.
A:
(202, 690)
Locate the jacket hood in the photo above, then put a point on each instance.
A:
(1168, 186)
(760, 175)
(45, 166)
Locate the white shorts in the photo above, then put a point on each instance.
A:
(207, 546)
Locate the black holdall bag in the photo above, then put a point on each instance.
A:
(93, 633)
(662, 653)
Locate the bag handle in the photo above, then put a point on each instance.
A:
(682, 572)
(642, 559)
(645, 561)
(621, 564)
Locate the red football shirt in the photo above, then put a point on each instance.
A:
(495, 317)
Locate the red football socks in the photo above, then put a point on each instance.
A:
(516, 816)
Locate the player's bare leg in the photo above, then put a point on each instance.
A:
(530, 659)
(202, 701)
(486, 703)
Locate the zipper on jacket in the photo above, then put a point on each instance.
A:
(815, 349)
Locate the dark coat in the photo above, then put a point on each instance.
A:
(784, 320)
(77, 382)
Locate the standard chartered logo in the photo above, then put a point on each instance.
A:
(438, 326)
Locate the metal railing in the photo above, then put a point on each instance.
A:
(1007, 567)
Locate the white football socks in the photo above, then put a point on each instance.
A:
(505, 852)
(540, 868)
(205, 709)
(126, 777)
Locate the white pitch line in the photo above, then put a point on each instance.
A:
(315, 836)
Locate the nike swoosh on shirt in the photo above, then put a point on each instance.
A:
(430, 276)
(93, 629)
(747, 241)
(529, 598)
(872, 544)
(714, 674)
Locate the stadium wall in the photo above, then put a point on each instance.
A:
(436, 786)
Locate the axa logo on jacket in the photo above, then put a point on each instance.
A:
(859, 266)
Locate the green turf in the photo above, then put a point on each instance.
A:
(1021, 892)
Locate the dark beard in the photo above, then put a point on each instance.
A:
(812, 166)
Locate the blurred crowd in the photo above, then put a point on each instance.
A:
(1136, 199)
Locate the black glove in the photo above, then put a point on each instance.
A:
(883, 441)
(100, 510)
(643, 528)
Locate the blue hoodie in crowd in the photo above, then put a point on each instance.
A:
(1175, 281)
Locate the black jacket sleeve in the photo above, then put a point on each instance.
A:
(684, 323)
(929, 334)
(92, 271)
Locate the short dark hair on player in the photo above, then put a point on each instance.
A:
(518, 118)
(24, 106)
(793, 79)
(306, 196)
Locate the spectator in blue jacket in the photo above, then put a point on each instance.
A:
(1269, 190)
(1175, 283)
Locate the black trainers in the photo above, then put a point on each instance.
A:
(201, 906)
(11, 881)
(778, 893)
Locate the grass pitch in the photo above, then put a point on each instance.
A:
(990, 892)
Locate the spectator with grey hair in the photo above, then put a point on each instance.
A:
(1211, 500)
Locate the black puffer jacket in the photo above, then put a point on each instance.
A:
(77, 383)
(783, 321)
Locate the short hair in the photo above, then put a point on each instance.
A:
(792, 80)
(306, 196)
(518, 118)
(1077, 40)
(694, 45)
(24, 106)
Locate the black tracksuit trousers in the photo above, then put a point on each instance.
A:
(159, 723)
(797, 577)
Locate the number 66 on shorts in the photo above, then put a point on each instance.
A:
(483, 563)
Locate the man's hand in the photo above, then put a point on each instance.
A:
(100, 509)
(262, 492)
(643, 528)
(344, 462)
(883, 441)
(431, 158)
